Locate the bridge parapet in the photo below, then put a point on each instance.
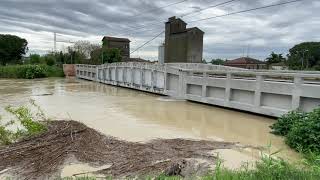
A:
(264, 92)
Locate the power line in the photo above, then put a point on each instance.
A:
(158, 8)
(220, 4)
(248, 10)
(147, 42)
(229, 14)
(193, 12)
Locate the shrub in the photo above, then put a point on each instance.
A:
(305, 135)
(50, 61)
(35, 59)
(301, 130)
(285, 122)
(35, 71)
(30, 71)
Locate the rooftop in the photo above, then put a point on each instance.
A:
(244, 60)
(115, 39)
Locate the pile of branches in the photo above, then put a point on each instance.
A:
(44, 155)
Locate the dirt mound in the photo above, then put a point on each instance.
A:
(44, 155)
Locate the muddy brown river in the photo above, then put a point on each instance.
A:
(138, 116)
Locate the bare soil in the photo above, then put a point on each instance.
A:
(44, 155)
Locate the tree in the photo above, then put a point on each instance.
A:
(35, 59)
(217, 61)
(275, 58)
(111, 55)
(305, 56)
(12, 48)
(85, 48)
(104, 55)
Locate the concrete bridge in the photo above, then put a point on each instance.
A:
(271, 93)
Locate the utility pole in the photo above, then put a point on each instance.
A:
(55, 42)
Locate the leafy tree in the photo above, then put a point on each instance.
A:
(50, 61)
(104, 55)
(305, 56)
(111, 55)
(204, 61)
(84, 48)
(217, 61)
(275, 58)
(12, 48)
(35, 59)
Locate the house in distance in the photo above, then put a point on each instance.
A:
(246, 63)
(123, 44)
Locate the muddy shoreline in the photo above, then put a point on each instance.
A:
(43, 156)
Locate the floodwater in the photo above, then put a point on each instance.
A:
(138, 116)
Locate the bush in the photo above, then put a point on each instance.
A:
(36, 71)
(305, 135)
(301, 130)
(285, 122)
(50, 61)
(30, 71)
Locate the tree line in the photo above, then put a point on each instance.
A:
(303, 56)
(13, 50)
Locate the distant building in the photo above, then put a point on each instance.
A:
(123, 44)
(246, 63)
(278, 66)
(125, 59)
(161, 53)
(182, 44)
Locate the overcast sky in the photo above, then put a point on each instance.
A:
(257, 33)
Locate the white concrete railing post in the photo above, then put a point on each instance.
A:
(115, 75)
(132, 76)
(257, 95)
(228, 88)
(141, 77)
(153, 79)
(296, 93)
(204, 86)
(182, 88)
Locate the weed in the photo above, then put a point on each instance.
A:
(26, 124)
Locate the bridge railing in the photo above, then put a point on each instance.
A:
(265, 92)
(271, 93)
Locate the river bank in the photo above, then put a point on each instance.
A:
(44, 155)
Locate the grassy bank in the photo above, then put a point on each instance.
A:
(267, 168)
(30, 71)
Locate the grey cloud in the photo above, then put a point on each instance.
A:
(275, 29)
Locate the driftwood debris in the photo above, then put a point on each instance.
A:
(44, 155)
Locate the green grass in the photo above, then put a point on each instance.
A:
(268, 168)
(30, 71)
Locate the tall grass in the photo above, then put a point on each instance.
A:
(30, 71)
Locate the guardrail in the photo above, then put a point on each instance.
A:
(270, 93)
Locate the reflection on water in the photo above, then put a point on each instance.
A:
(138, 116)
